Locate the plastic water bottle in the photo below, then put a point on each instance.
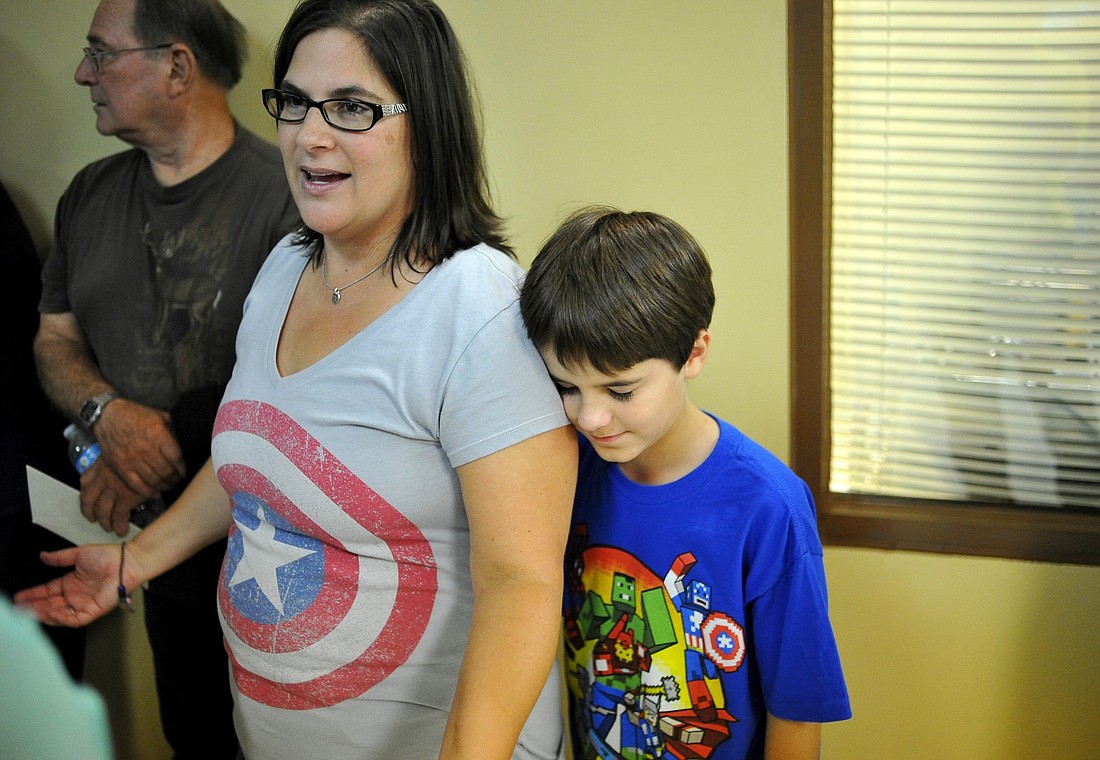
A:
(83, 447)
(84, 450)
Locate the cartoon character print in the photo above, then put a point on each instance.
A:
(647, 652)
(713, 642)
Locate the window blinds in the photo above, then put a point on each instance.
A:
(965, 251)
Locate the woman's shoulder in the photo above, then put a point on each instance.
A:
(480, 275)
(483, 261)
(286, 256)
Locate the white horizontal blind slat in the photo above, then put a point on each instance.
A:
(965, 250)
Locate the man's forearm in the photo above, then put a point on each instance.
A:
(66, 370)
(137, 441)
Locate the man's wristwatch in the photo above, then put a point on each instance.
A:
(93, 407)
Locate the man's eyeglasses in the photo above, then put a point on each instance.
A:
(98, 57)
(342, 113)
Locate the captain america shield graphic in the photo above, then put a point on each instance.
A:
(724, 641)
(326, 587)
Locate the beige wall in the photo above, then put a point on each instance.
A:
(678, 107)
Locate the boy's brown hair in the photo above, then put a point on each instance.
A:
(612, 288)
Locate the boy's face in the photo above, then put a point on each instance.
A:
(628, 414)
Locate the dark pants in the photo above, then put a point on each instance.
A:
(189, 659)
(20, 568)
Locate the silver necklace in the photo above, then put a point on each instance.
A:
(336, 291)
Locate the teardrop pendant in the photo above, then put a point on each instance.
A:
(336, 291)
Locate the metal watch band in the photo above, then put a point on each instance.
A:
(93, 408)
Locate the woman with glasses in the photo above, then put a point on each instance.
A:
(390, 460)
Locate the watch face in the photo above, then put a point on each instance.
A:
(93, 407)
(89, 412)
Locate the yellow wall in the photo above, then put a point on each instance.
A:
(681, 108)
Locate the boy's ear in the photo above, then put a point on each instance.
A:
(694, 365)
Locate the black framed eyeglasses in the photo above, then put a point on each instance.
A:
(97, 57)
(342, 113)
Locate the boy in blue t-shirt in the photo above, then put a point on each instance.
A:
(695, 612)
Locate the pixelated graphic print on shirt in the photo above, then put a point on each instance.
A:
(647, 652)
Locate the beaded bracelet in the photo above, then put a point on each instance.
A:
(125, 601)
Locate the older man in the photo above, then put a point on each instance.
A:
(154, 251)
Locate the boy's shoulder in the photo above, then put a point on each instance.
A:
(739, 456)
(737, 465)
(742, 502)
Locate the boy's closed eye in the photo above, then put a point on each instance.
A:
(565, 390)
(618, 395)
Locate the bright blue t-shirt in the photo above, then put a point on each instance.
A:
(692, 609)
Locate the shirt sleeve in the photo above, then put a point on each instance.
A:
(796, 650)
(498, 394)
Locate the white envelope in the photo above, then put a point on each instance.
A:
(56, 507)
